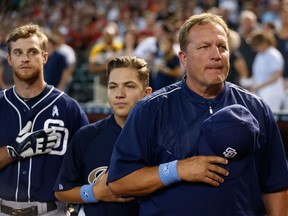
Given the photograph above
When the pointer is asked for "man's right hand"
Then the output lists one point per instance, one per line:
(204, 169)
(28, 143)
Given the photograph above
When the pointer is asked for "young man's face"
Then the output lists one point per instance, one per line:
(27, 58)
(124, 90)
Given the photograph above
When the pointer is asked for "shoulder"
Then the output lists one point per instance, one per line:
(234, 89)
(7, 93)
(64, 96)
(274, 57)
(163, 98)
(98, 125)
(92, 130)
(273, 51)
(65, 100)
(165, 92)
(253, 102)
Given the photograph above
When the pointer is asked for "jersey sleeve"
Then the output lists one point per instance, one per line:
(273, 175)
(132, 150)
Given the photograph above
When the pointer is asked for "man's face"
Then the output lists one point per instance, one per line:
(206, 59)
(27, 59)
(124, 90)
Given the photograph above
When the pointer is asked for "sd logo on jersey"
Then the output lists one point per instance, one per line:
(62, 134)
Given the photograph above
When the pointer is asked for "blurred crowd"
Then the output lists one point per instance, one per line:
(90, 32)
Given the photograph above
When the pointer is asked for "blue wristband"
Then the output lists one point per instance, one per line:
(168, 173)
(86, 193)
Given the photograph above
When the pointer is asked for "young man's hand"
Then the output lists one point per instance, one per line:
(28, 143)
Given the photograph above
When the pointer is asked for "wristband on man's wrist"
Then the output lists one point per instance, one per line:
(12, 153)
(168, 173)
(87, 195)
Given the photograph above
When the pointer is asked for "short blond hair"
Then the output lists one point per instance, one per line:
(199, 19)
(27, 31)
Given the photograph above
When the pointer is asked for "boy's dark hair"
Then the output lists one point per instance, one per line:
(132, 62)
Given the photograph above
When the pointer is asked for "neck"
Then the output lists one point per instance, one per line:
(28, 91)
(207, 92)
(120, 120)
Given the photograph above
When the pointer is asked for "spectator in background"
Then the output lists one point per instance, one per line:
(230, 12)
(149, 47)
(270, 12)
(238, 67)
(247, 24)
(56, 70)
(146, 29)
(70, 56)
(6, 74)
(164, 11)
(267, 71)
(130, 42)
(103, 51)
(281, 36)
(96, 22)
(268, 27)
(85, 20)
(167, 69)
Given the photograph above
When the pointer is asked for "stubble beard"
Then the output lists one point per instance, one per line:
(27, 76)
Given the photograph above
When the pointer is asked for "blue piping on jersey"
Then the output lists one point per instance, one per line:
(164, 93)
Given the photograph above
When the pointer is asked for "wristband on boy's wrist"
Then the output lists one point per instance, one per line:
(168, 173)
(87, 195)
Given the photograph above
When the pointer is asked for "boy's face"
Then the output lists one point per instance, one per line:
(124, 90)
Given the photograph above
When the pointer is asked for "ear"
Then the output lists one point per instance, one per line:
(45, 57)
(148, 91)
(8, 57)
(183, 58)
